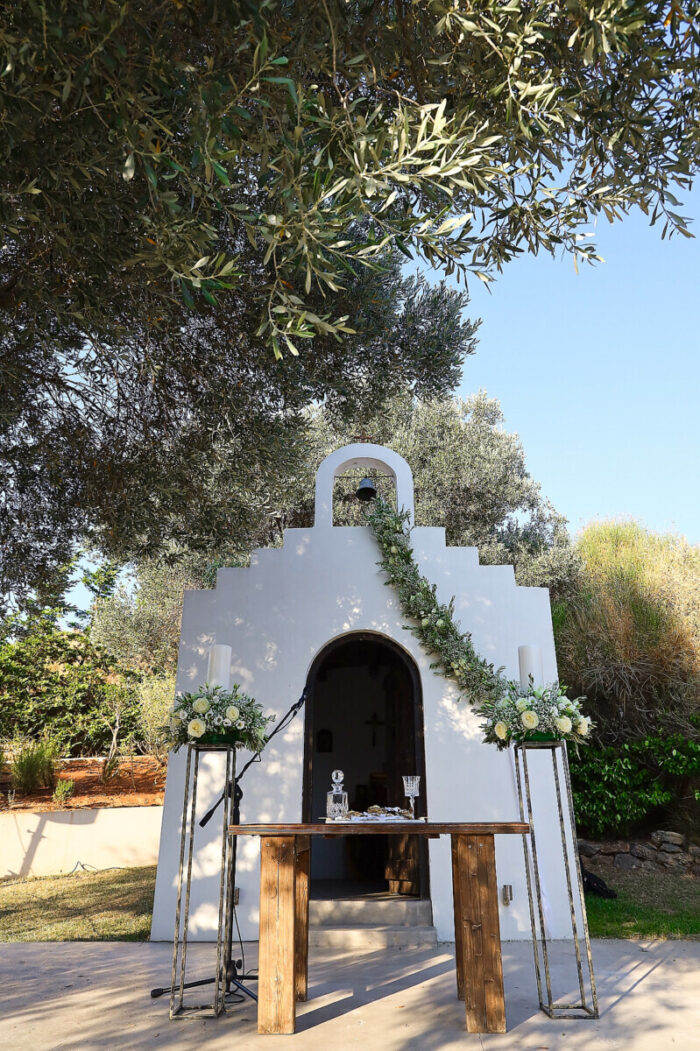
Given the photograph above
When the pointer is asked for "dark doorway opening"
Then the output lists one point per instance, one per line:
(364, 715)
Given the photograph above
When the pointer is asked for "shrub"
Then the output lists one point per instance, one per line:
(618, 788)
(109, 768)
(155, 697)
(34, 765)
(63, 791)
(59, 681)
(628, 637)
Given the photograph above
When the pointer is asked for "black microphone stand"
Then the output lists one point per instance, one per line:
(233, 977)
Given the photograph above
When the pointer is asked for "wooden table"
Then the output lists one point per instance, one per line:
(284, 914)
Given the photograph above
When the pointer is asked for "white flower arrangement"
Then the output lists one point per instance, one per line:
(212, 715)
(534, 714)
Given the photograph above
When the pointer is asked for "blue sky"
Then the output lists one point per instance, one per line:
(599, 373)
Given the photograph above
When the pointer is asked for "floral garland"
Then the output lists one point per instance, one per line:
(212, 714)
(432, 621)
(510, 713)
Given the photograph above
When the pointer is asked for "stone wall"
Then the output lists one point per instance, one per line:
(662, 852)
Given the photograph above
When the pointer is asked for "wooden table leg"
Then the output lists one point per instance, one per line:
(276, 986)
(459, 940)
(301, 944)
(476, 904)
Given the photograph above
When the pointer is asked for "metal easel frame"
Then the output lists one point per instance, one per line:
(189, 809)
(539, 944)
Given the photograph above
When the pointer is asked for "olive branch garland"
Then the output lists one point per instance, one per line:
(433, 622)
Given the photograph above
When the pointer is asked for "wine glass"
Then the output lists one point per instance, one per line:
(411, 788)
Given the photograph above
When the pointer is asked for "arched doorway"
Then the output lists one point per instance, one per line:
(364, 715)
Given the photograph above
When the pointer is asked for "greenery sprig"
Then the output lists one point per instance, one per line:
(432, 622)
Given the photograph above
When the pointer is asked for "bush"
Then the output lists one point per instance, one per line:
(155, 696)
(34, 766)
(63, 791)
(628, 636)
(619, 788)
(57, 680)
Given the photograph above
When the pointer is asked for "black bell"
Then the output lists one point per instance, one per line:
(366, 490)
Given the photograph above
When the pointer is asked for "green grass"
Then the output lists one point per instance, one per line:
(116, 904)
(113, 905)
(648, 905)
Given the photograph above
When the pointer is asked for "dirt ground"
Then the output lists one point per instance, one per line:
(137, 782)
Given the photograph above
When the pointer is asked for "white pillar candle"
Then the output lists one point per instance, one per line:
(219, 672)
(530, 661)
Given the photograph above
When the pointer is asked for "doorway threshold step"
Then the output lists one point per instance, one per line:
(372, 936)
(392, 911)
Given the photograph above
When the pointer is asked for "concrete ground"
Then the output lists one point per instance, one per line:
(95, 995)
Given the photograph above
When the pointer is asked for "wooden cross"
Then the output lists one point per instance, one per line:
(374, 722)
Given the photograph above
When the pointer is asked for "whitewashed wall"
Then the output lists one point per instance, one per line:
(59, 841)
(277, 616)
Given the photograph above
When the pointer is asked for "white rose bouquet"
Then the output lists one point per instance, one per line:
(212, 715)
(534, 714)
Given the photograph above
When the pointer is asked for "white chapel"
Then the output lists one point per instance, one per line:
(316, 614)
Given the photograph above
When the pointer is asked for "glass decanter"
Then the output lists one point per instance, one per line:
(337, 798)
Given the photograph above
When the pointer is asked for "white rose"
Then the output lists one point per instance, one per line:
(563, 723)
(501, 731)
(583, 725)
(201, 705)
(529, 720)
(196, 728)
(232, 713)
(522, 703)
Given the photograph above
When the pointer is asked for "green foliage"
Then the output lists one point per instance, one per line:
(140, 621)
(63, 791)
(155, 697)
(189, 444)
(57, 680)
(618, 788)
(629, 634)
(170, 138)
(432, 622)
(110, 768)
(33, 765)
(190, 190)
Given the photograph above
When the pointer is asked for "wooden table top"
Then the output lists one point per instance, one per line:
(384, 828)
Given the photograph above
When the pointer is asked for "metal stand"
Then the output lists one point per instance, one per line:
(532, 871)
(222, 979)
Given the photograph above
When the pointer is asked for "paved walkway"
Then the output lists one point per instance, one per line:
(95, 995)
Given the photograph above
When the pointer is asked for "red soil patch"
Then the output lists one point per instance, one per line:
(140, 782)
